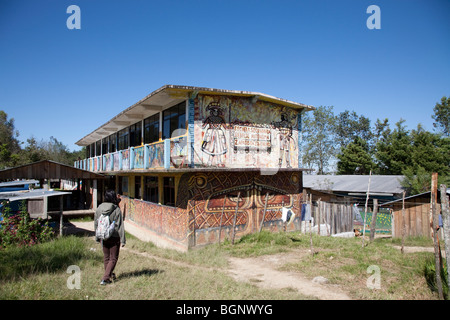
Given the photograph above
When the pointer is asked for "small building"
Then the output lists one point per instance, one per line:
(82, 200)
(417, 215)
(194, 164)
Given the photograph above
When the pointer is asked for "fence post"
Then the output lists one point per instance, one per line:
(365, 214)
(446, 226)
(235, 216)
(374, 219)
(434, 222)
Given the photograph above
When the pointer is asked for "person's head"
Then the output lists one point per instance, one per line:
(110, 196)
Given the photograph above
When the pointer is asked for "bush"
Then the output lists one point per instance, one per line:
(429, 271)
(19, 229)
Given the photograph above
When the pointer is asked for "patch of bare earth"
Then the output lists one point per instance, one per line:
(262, 271)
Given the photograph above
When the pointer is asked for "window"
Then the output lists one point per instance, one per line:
(137, 187)
(151, 192)
(169, 191)
(112, 142)
(98, 148)
(174, 118)
(105, 146)
(135, 134)
(123, 139)
(151, 129)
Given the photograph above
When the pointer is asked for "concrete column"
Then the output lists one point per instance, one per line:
(94, 194)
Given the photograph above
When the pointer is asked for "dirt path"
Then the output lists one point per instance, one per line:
(262, 272)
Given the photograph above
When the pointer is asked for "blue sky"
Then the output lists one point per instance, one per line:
(66, 83)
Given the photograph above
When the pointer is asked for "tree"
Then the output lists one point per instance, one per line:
(393, 150)
(348, 126)
(355, 158)
(442, 116)
(318, 138)
(429, 153)
(9, 145)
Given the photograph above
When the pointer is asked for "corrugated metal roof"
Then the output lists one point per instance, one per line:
(22, 195)
(386, 184)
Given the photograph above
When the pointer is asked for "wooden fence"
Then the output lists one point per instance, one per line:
(331, 218)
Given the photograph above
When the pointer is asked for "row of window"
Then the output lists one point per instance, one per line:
(146, 131)
(151, 189)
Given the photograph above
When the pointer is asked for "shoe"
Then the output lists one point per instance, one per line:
(113, 276)
(105, 282)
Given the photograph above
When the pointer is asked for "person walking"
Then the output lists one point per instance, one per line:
(111, 246)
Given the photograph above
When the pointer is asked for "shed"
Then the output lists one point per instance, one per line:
(417, 214)
(45, 170)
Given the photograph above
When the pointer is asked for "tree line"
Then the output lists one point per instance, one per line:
(15, 153)
(347, 143)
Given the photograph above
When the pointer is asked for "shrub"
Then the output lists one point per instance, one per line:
(19, 229)
(429, 271)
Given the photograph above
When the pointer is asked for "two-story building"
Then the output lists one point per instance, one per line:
(194, 164)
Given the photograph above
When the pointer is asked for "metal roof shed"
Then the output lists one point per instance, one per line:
(46, 169)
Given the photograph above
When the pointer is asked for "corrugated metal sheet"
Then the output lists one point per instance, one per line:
(354, 183)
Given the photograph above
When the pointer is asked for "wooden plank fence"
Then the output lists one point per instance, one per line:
(337, 217)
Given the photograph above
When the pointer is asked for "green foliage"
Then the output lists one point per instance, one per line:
(20, 230)
(429, 272)
(318, 139)
(442, 115)
(393, 150)
(355, 158)
(11, 153)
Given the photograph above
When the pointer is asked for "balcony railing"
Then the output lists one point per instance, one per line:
(166, 154)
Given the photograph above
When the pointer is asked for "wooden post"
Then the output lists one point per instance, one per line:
(445, 212)
(365, 214)
(221, 216)
(264, 213)
(374, 219)
(318, 216)
(61, 207)
(403, 222)
(235, 216)
(310, 229)
(434, 222)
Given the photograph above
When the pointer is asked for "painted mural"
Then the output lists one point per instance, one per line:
(238, 132)
(213, 198)
(156, 155)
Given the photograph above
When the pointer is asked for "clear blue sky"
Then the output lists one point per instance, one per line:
(66, 83)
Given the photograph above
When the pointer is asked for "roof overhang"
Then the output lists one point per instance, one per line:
(167, 96)
(47, 169)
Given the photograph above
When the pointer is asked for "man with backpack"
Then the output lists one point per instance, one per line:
(110, 231)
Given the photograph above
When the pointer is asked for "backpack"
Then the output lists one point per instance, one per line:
(104, 228)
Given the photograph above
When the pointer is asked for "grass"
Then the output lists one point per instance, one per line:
(39, 272)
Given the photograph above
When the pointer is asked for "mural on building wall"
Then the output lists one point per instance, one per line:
(207, 195)
(214, 142)
(238, 132)
(138, 158)
(156, 155)
(178, 151)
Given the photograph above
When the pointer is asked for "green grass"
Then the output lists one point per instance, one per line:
(39, 272)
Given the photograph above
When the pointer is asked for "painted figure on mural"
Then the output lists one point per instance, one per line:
(285, 138)
(214, 141)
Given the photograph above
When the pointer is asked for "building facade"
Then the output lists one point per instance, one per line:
(194, 164)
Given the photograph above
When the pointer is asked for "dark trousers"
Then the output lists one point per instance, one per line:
(111, 249)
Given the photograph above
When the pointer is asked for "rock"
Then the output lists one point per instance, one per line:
(320, 280)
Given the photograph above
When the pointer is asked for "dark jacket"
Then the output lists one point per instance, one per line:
(115, 214)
